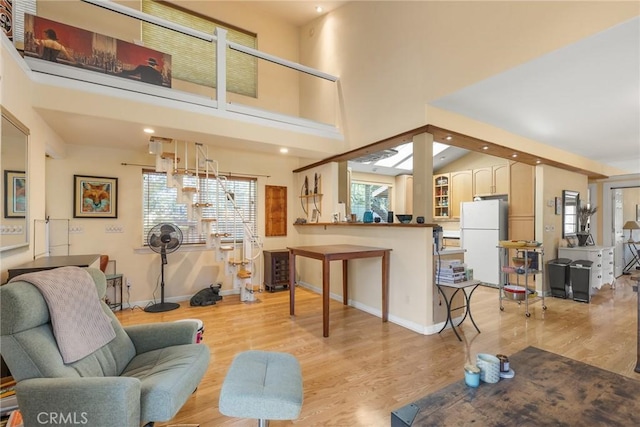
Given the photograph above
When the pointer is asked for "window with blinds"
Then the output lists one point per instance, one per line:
(194, 60)
(21, 7)
(160, 204)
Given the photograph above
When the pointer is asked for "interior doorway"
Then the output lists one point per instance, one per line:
(624, 202)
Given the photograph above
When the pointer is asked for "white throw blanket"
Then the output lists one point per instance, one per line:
(79, 324)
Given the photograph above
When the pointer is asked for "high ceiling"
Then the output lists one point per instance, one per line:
(297, 12)
(583, 98)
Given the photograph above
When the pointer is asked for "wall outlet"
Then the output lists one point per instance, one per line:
(76, 229)
(128, 283)
(114, 229)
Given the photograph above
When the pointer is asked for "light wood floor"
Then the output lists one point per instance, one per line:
(365, 369)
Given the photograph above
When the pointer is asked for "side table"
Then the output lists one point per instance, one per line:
(473, 284)
(114, 281)
(636, 277)
(635, 257)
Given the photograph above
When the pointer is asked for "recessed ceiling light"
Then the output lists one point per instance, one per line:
(514, 155)
(485, 147)
(319, 9)
(148, 130)
(449, 138)
(538, 161)
(443, 157)
(284, 150)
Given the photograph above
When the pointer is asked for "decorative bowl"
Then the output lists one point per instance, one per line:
(404, 219)
(519, 262)
(514, 292)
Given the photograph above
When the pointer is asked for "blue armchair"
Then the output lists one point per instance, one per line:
(144, 375)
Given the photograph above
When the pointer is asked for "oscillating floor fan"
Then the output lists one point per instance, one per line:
(163, 239)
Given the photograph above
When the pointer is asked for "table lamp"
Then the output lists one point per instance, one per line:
(631, 225)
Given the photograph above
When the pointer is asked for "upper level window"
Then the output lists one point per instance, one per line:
(161, 204)
(194, 60)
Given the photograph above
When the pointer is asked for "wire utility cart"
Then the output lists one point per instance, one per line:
(518, 275)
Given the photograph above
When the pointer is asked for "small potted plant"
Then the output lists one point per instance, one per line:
(584, 213)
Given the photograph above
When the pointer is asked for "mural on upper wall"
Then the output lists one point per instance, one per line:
(64, 44)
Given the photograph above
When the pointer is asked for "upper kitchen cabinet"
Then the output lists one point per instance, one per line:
(522, 202)
(461, 190)
(491, 180)
(441, 191)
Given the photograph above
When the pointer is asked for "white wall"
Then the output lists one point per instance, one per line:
(393, 57)
(187, 271)
(14, 100)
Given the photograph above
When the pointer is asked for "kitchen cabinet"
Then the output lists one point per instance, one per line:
(491, 180)
(441, 195)
(461, 190)
(408, 194)
(450, 242)
(522, 201)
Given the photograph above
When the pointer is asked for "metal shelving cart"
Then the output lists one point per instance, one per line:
(521, 276)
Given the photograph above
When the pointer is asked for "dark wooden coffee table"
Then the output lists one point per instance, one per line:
(547, 390)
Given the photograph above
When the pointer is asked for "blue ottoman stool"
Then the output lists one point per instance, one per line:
(263, 385)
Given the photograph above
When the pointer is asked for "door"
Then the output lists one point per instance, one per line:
(461, 191)
(616, 229)
(484, 214)
(482, 254)
(482, 181)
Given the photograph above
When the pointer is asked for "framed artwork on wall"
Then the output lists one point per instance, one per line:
(637, 212)
(558, 205)
(15, 194)
(95, 197)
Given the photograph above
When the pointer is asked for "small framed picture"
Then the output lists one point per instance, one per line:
(15, 194)
(315, 216)
(95, 197)
(558, 205)
(637, 212)
(572, 241)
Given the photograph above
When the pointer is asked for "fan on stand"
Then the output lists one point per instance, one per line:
(163, 239)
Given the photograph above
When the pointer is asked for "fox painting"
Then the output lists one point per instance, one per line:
(96, 197)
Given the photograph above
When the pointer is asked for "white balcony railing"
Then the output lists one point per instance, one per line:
(219, 101)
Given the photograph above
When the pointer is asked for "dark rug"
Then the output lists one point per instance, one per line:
(547, 390)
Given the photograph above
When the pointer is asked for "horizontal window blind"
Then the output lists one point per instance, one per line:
(195, 60)
(160, 205)
(20, 7)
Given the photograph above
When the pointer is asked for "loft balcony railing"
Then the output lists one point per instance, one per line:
(321, 121)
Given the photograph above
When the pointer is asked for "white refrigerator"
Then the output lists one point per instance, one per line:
(482, 225)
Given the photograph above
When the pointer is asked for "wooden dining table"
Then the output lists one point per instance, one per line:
(328, 253)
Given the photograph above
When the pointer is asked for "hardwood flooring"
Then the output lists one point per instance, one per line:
(365, 369)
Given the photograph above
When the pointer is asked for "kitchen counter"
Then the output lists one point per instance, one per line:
(365, 224)
(448, 251)
(451, 234)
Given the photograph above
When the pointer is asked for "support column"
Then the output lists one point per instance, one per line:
(423, 177)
